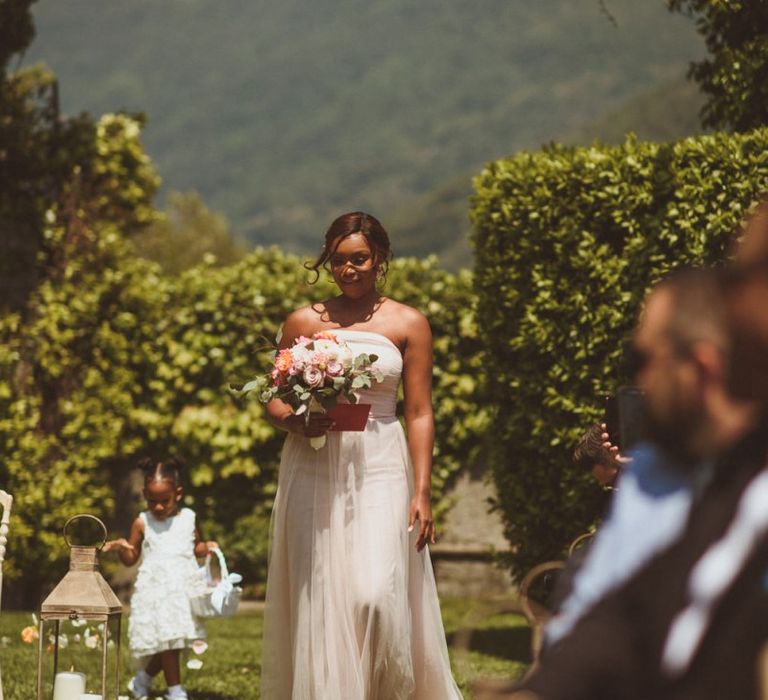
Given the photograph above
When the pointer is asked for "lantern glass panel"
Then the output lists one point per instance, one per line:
(81, 649)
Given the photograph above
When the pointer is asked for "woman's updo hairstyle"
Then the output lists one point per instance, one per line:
(347, 225)
(168, 470)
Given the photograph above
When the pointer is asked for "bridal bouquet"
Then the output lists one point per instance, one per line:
(313, 373)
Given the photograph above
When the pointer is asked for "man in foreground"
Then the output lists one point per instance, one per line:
(680, 627)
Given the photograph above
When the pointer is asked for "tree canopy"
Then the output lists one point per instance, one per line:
(735, 75)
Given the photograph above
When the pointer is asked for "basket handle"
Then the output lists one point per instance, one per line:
(222, 563)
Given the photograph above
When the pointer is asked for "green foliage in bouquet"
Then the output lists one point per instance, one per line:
(567, 242)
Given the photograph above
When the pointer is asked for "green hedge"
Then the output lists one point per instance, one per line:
(567, 242)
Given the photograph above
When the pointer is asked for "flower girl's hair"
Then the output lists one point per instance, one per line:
(168, 470)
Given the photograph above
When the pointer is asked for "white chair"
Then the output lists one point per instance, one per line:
(5, 502)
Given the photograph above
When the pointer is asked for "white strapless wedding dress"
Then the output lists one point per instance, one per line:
(352, 610)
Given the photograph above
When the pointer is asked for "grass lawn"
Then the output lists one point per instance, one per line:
(483, 641)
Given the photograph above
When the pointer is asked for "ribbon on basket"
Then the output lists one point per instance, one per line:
(216, 597)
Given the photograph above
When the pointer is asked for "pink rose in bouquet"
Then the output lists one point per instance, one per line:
(313, 377)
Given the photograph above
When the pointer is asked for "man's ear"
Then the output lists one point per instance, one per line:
(709, 361)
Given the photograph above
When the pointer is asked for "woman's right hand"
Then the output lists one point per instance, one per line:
(318, 424)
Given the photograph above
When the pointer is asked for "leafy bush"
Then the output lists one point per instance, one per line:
(72, 355)
(567, 243)
(119, 361)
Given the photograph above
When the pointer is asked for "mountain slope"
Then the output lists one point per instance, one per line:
(285, 114)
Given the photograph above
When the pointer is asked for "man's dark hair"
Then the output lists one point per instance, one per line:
(746, 298)
(698, 312)
(590, 450)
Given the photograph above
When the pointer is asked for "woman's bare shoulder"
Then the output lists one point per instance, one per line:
(408, 317)
(304, 321)
(305, 314)
(407, 325)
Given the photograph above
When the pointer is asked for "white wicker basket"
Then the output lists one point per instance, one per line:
(216, 597)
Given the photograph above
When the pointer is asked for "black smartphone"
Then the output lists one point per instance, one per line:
(631, 416)
(624, 417)
(612, 418)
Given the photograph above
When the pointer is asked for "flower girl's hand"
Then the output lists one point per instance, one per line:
(211, 545)
(421, 510)
(120, 544)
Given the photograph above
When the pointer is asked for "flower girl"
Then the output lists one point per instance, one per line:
(165, 542)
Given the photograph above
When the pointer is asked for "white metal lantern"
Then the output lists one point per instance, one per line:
(82, 595)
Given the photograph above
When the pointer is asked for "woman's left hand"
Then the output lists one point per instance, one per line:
(421, 510)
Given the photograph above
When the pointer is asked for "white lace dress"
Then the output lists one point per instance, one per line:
(161, 617)
(352, 610)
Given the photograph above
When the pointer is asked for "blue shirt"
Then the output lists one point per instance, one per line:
(648, 512)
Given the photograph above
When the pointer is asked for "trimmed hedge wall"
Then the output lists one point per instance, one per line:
(567, 241)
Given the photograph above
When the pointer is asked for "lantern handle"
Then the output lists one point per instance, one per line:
(85, 515)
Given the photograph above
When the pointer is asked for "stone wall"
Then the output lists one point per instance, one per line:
(469, 536)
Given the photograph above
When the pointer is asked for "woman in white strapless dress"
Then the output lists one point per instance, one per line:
(352, 610)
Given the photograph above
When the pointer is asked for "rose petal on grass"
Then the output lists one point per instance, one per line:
(199, 646)
(29, 634)
(194, 664)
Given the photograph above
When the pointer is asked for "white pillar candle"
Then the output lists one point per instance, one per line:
(68, 685)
